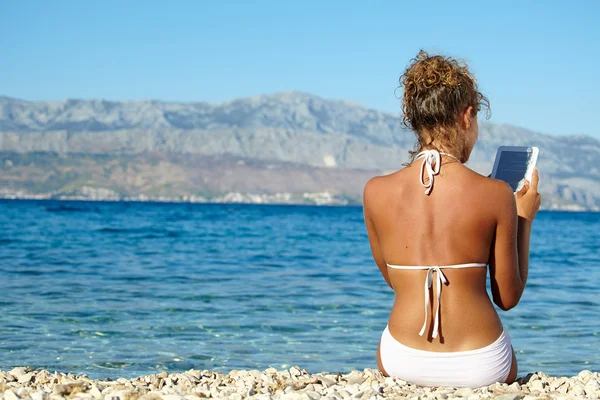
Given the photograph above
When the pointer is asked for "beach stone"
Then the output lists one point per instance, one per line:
(202, 393)
(40, 395)
(389, 381)
(542, 375)
(364, 394)
(95, 391)
(555, 384)
(592, 385)
(19, 371)
(85, 396)
(178, 397)
(531, 397)
(251, 391)
(291, 396)
(152, 395)
(593, 382)
(564, 388)
(262, 397)
(510, 396)
(285, 374)
(309, 387)
(116, 395)
(463, 392)
(326, 382)
(356, 380)
(195, 374)
(513, 387)
(183, 378)
(10, 395)
(68, 389)
(270, 371)
(537, 385)
(528, 378)
(26, 378)
(312, 395)
(577, 390)
(255, 373)
(352, 389)
(585, 375)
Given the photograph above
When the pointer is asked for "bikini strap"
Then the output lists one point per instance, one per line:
(431, 164)
(441, 279)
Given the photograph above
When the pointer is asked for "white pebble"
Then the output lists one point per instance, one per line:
(577, 390)
(537, 385)
(10, 395)
(509, 396)
(463, 392)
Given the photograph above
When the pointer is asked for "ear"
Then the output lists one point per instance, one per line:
(466, 117)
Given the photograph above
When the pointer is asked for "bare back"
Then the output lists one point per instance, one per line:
(454, 224)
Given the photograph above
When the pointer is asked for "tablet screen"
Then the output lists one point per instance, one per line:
(512, 167)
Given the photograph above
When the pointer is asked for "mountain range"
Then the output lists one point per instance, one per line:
(290, 142)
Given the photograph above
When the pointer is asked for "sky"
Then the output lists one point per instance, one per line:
(537, 61)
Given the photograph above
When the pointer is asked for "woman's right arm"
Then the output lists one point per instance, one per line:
(528, 203)
(509, 261)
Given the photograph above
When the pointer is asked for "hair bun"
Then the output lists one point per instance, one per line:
(429, 72)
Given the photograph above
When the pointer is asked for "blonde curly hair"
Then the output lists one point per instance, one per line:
(436, 90)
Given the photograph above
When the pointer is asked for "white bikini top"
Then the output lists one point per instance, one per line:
(431, 164)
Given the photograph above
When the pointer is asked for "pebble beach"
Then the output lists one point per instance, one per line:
(294, 383)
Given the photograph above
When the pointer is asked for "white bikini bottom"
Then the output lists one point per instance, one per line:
(472, 368)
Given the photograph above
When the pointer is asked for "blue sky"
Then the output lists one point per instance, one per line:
(537, 61)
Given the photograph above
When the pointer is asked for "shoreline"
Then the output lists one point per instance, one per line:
(294, 383)
(67, 199)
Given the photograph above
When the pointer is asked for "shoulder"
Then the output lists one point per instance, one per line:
(373, 185)
(372, 190)
(492, 186)
(498, 194)
(378, 189)
(500, 189)
(378, 186)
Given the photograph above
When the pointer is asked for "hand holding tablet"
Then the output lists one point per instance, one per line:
(514, 165)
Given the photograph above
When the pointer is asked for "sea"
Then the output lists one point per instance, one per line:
(124, 289)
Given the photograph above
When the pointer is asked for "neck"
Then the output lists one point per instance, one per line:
(435, 145)
(444, 152)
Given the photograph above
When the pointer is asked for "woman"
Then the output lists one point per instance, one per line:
(437, 222)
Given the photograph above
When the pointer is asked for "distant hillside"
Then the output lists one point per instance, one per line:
(340, 140)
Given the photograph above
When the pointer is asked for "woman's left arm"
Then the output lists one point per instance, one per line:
(372, 232)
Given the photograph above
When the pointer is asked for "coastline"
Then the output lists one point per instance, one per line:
(295, 383)
(325, 199)
(106, 195)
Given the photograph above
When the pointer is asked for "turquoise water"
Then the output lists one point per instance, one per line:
(125, 289)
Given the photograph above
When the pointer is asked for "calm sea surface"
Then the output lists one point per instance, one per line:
(125, 289)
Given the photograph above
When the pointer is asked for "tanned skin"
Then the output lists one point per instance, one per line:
(467, 218)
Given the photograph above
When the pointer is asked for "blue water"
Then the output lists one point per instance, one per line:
(125, 289)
